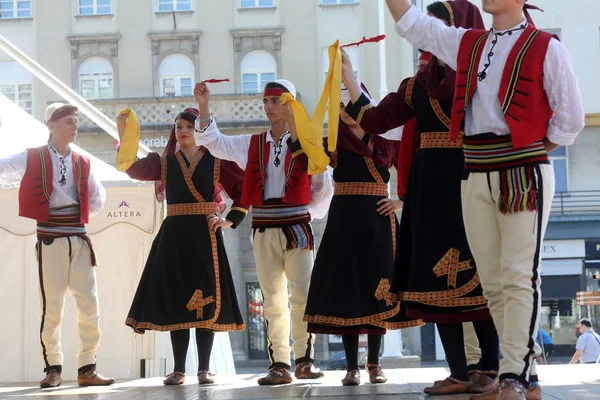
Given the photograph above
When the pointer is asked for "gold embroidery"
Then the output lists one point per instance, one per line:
(383, 291)
(163, 171)
(409, 91)
(400, 325)
(450, 12)
(393, 222)
(369, 320)
(459, 302)
(216, 171)
(198, 302)
(362, 112)
(449, 265)
(138, 326)
(371, 165)
(205, 208)
(360, 188)
(439, 140)
(239, 209)
(423, 297)
(188, 172)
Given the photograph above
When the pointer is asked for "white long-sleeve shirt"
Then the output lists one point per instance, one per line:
(484, 113)
(235, 148)
(12, 169)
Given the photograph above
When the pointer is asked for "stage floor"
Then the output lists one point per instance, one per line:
(562, 382)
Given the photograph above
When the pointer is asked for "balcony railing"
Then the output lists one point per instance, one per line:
(576, 203)
(229, 110)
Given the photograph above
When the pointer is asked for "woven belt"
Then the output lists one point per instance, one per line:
(489, 152)
(191, 209)
(360, 188)
(439, 140)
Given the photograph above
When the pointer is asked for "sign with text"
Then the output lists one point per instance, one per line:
(563, 249)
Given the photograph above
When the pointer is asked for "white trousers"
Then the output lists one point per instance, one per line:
(276, 268)
(65, 263)
(506, 248)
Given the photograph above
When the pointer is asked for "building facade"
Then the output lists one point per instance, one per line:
(148, 54)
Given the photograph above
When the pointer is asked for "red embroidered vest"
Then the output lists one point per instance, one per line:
(37, 185)
(521, 95)
(297, 183)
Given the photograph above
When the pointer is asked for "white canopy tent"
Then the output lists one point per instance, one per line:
(122, 235)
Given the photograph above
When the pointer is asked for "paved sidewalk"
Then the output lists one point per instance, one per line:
(559, 382)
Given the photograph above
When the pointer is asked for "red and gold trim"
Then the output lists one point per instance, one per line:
(163, 171)
(204, 208)
(44, 174)
(188, 172)
(516, 71)
(361, 114)
(360, 189)
(409, 91)
(239, 209)
(439, 140)
(474, 61)
(139, 327)
(375, 319)
(450, 12)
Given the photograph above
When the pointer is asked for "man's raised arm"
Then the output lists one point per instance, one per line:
(398, 8)
(425, 32)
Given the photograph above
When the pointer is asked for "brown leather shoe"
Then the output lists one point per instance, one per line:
(52, 379)
(205, 378)
(308, 371)
(93, 378)
(485, 384)
(276, 376)
(352, 378)
(534, 392)
(376, 374)
(449, 386)
(174, 378)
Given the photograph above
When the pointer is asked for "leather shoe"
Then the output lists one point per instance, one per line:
(376, 374)
(52, 379)
(174, 378)
(308, 371)
(205, 377)
(485, 383)
(448, 386)
(93, 378)
(352, 378)
(276, 376)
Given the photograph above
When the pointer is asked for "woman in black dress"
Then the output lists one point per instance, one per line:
(357, 252)
(435, 272)
(187, 281)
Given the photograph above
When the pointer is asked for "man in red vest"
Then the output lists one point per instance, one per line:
(516, 99)
(284, 200)
(58, 190)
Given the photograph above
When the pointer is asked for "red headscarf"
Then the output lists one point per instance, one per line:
(384, 149)
(189, 114)
(526, 9)
(463, 14)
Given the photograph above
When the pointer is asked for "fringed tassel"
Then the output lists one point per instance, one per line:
(374, 39)
(299, 236)
(518, 190)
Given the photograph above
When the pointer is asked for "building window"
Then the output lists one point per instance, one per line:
(174, 5)
(94, 7)
(558, 159)
(330, 2)
(15, 9)
(19, 93)
(258, 68)
(96, 78)
(176, 74)
(256, 3)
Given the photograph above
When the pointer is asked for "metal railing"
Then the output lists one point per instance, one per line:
(584, 202)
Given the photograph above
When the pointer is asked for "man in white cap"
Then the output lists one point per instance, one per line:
(284, 200)
(58, 190)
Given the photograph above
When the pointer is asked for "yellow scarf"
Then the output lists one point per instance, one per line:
(130, 144)
(310, 131)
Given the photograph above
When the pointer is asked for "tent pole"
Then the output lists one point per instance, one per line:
(64, 91)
